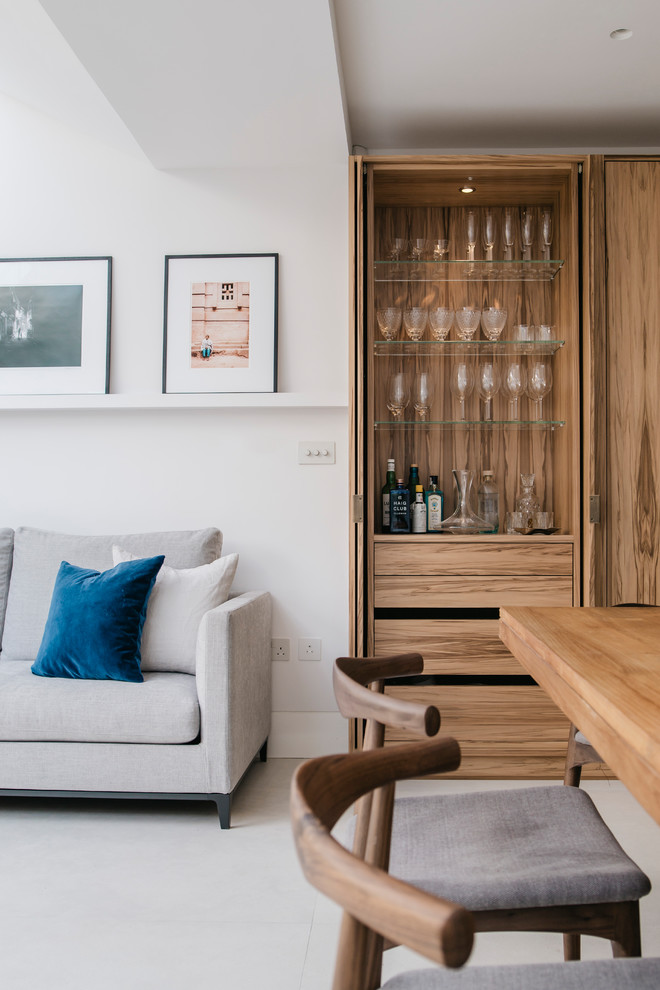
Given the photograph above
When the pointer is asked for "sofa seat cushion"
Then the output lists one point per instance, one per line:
(164, 708)
(38, 553)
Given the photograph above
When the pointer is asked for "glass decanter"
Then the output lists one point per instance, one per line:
(463, 519)
(527, 502)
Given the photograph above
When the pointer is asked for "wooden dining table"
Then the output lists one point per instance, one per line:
(601, 666)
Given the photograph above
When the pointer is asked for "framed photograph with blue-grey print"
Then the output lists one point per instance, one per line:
(55, 325)
(220, 331)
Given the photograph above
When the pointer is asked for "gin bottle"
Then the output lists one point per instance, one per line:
(419, 511)
(434, 505)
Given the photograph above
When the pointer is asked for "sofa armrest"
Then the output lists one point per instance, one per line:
(234, 685)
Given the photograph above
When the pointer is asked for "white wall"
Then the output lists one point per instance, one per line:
(131, 470)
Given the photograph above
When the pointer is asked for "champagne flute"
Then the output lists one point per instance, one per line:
(509, 233)
(546, 232)
(488, 233)
(471, 224)
(527, 231)
(513, 384)
(539, 383)
(488, 384)
(398, 393)
(423, 392)
(461, 383)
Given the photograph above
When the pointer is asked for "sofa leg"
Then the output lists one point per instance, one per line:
(263, 752)
(223, 804)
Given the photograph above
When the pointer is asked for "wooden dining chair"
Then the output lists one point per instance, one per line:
(377, 904)
(531, 859)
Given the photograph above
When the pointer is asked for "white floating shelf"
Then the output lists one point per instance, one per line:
(206, 400)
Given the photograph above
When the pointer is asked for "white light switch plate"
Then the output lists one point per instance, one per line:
(316, 452)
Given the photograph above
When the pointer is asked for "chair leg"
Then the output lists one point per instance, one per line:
(223, 804)
(572, 768)
(571, 946)
(629, 937)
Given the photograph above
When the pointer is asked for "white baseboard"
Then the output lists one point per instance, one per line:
(306, 734)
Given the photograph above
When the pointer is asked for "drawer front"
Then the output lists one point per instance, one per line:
(416, 557)
(503, 731)
(448, 646)
(471, 591)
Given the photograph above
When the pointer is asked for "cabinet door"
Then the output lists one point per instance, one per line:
(632, 496)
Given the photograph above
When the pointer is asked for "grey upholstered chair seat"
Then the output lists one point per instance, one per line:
(163, 709)
(606, 974)
(518, 848)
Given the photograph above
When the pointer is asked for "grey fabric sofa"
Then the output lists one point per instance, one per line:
(177, 735)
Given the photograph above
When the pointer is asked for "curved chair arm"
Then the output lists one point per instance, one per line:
(321, 790)
(351, 676)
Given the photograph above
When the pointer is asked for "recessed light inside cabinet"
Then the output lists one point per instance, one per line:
(621, 34)
(467, 187)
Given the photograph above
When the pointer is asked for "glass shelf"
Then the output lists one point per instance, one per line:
(466, 271)
(471, 424)
(440, 348)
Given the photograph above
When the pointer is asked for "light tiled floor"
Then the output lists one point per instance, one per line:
(153, 895)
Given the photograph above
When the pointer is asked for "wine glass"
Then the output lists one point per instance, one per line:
(440, 248)
(471, 225)
(546, 232)
(527, 231)
(389, 322)
(397, 248)
(414, 320)
(539, 383)
(488, 383)
(493, 321)
(398, 393)
(488, 233)
(513, 384)
(461, 383)
(423, 392)
(509, 233)
(441, 320)
(467, 322)
(417, 252)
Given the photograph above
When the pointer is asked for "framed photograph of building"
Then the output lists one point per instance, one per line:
(220, 323)
(55, 325)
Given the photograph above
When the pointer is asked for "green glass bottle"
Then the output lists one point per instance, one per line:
(390, 483)
(413, 481)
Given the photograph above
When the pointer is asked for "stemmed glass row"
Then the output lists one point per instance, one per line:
(442, 319)
(514, 380)
(523, 222)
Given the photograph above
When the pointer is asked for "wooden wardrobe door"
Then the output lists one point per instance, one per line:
(632, 219)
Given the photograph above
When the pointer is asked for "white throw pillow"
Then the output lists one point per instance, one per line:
(179, 599)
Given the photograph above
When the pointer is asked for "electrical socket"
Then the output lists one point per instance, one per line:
(309, 649)
(280, 649)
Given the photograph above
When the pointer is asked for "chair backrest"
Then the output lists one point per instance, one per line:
(358, 686)
(355, 699)
(321, 790)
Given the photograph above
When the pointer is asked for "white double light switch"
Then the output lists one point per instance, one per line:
(316, 452)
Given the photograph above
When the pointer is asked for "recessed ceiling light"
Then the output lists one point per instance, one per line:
(621, 34)
(467, 187)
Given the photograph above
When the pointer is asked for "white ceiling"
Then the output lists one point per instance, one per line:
(209, 83)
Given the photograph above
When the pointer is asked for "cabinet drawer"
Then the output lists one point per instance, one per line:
(503, 730)
(470, 591)
(473, 557)
(449, 646)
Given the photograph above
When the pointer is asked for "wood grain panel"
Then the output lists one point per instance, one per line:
(410, 591)
(510, 731)
(632, 197)
(467, 557)
(449, 646)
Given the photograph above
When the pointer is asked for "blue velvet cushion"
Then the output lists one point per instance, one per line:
(95, 622)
